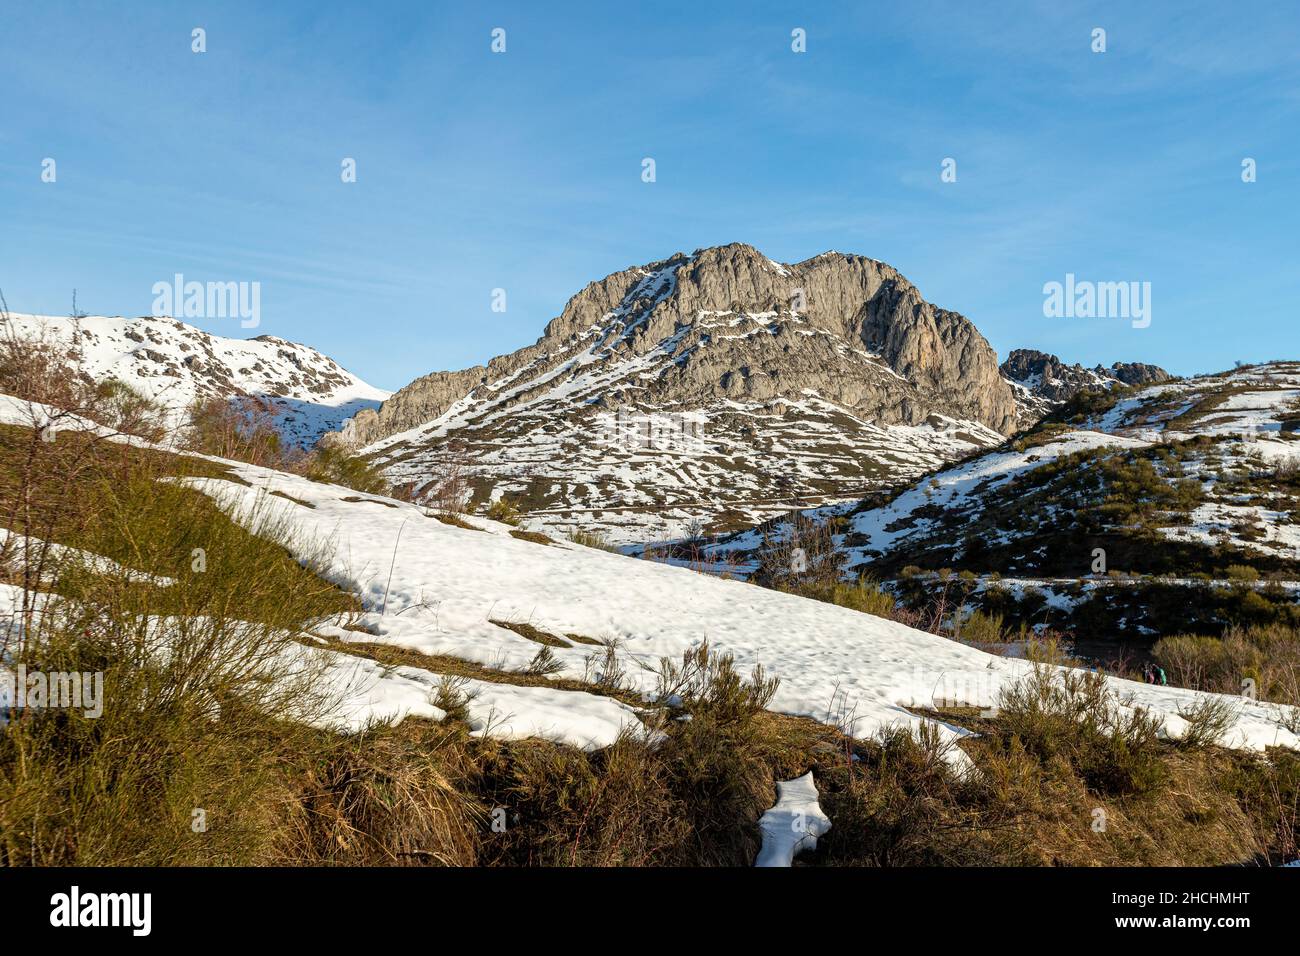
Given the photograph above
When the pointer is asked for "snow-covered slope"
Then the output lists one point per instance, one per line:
(175, 363)
(442, 587)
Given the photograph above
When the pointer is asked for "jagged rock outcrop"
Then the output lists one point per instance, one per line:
(1137, 373)
(1042, 381)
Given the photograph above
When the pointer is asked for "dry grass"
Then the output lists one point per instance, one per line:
(1041, 795)
(384, 798)
(536, 537)
(454, 521)
(591, 539)
(526, 630)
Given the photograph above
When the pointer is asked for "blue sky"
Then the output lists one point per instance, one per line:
(522, 170)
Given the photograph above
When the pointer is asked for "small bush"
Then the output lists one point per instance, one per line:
(544, 663)
(979, 628)
(800, 556)
(331, 463)
(1208, 721)
(505, 511)
(241, 429)
(1073, 715)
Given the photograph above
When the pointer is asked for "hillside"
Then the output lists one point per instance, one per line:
(175, 364)
(1106, 515)
(449, 669)
(482, 592)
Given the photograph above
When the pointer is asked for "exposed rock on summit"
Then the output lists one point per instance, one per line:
(832, 352)
(740, 326)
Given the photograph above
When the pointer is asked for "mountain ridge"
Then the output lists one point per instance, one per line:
(176, 364)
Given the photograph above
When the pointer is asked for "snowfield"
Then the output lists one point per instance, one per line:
(437, 588)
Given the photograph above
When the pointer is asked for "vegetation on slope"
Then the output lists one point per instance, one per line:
(197, 758)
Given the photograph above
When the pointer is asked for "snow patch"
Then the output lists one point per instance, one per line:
(793, 824)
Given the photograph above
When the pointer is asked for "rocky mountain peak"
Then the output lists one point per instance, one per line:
(824, 377)
(739, 325)
(1137, 373)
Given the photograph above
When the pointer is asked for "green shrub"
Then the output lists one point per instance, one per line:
(1073, 715)
(332, 463)
(980, 628)
(505, 511)
(863, 595)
